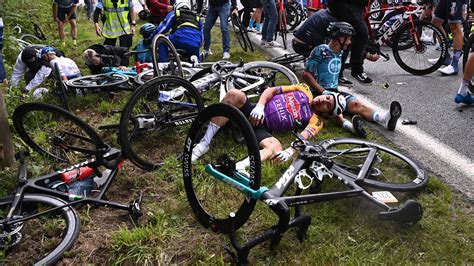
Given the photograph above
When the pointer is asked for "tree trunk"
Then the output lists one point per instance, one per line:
(6, 145)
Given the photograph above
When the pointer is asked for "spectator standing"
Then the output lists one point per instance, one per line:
(158, 10)
(117, 24)
(269, 23)
(221, 9)
(65, 11)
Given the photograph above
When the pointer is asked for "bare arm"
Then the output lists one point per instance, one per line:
(311, 81)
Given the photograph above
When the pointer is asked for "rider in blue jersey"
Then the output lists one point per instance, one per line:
(321, 74)
(186, 30)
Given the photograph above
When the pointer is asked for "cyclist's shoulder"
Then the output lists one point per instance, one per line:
(300, 87)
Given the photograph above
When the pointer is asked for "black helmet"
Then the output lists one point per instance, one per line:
(336, 29)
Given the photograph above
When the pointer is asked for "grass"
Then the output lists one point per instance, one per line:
(341, 232)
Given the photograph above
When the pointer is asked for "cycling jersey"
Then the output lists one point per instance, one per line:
(291, 104)
(189, 36)
(143, 45)
(67, 67)
(325, 66)
(314, 29)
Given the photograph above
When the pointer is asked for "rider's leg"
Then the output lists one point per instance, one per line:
(464, 95)
(61, 32)
(457, 44)
(270, 147)
(235, 98)
(73, 23)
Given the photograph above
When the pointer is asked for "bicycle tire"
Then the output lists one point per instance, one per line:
(374, 5)
(255, 68)
(147, 117)
(288, 59)
(162, 39)
(215, 214)
(403, 173)
(38, 31)
(32, 39)
(143, 77)
(292, 16)
(246, 37)
(68, 237)
(71, 139)
(423, 25)
(239, 32)
(98, 81)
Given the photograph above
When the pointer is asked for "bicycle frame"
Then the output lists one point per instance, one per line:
(39, 184)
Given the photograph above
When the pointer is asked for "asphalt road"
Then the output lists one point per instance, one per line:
(443, 139)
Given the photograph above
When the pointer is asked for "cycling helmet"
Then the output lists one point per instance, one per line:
(339, 103)
(147, 29)
(181, 4)
(337, 29)
(46, 50)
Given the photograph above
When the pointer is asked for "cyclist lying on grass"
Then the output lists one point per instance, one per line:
(322, 72)
(278, 109)
(98, 56)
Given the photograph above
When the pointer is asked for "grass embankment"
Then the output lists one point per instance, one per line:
(344, 231)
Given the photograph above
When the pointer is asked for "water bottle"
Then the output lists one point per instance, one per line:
(76, 174)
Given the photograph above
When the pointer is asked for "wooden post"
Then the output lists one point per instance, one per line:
(6, 144)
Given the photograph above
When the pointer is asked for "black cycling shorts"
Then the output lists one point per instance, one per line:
(63, 12)
(261, 131)
(450, 10)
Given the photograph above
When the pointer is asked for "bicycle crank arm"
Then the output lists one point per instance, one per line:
(409, 212)
(385, 56)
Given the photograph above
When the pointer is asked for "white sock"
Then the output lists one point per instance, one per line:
(464, 88)
(380, 117)
(347, 125)
(210, 132)
(243, 164)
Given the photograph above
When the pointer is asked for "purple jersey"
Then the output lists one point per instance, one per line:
(290, 104)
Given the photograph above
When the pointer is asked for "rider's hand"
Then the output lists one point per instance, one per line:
(169, 8)
(98, 30)
(132, 29)
(257, 115)
(283, 156)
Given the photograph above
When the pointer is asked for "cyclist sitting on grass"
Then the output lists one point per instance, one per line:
(321, 74)
(144, 44)
(278, 110)
(98, 56)
(186, 31)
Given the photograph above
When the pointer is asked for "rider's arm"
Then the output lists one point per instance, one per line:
(166, 25)
(18, 71)
(267, 95)
(315, 125)
(42, 74)
(311, 81)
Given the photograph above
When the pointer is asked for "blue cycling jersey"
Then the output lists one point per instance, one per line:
(325, 65)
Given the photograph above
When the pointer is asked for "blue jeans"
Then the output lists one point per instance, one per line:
(222, 12)
(271, 16)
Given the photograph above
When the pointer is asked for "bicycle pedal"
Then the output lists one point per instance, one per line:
(136, 209)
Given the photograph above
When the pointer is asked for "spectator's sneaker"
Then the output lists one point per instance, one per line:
(468, 99)
(259, 30)
(263, 42)
(273, 44)
(226, 56)
(74, 42)
(199, 150)
(358, 124)
(447, 61)
(345, 82)
(207, 53)
(362, 78)
(395, 113)
(250, 29)
(449, 70)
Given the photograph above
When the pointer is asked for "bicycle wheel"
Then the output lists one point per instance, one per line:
(143, 77)
(30, 38)
(212, 200)
(99, 81)
(288, 59)
(158, 113)
(239, 32)
(376, 5)
(56, 133)
(274, 75)
(170, 66)
(292, 16)
(390, 170)
(41, 240)
(412, 54)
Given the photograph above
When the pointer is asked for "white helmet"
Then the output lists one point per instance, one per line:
(181, 4)
(339, 103)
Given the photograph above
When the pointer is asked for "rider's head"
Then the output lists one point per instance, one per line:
(342, 32)
(331, 104)
(92, 58)
(46, 54)
(29, 55)
(181, 4)
(147, 29)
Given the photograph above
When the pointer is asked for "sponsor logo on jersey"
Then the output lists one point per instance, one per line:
(293, 106)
